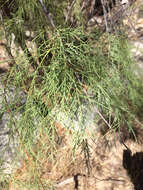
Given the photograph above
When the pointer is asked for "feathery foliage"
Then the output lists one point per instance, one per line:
(70, 67)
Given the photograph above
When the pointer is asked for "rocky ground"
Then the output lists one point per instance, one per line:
(106, 163)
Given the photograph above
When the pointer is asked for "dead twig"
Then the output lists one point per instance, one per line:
(65, 182)
(70, 10)
(98, 112)
(105, 121)
(105, 16)
(92, 7)
(47, 13)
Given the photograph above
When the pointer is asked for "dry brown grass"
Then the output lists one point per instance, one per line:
(66, 171)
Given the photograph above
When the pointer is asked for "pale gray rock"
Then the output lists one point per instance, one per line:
(9, 154)
(85, 117)
(12, 102)
(137, 54)
(9, 158)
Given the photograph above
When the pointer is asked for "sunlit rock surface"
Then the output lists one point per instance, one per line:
(9, 154)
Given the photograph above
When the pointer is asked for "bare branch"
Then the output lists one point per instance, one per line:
(98, 112)
(47, 13)
(92, 7)
(70, 10)
(105, 16)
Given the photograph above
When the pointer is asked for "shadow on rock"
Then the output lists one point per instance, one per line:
(134, 166)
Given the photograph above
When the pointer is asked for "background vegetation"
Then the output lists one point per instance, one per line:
(69, 64)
